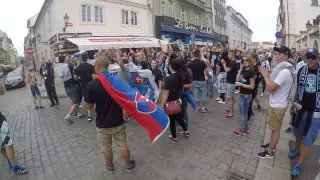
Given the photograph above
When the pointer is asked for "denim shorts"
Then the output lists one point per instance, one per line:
(312, 134)
(35, 90)
(200, 89)
(73, 94)
(230, 90)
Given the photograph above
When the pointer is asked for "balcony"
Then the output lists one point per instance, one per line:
(198, 3)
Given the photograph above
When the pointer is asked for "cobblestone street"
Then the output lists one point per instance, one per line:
(52, 149)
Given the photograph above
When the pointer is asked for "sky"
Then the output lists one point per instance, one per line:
(261, 15)
(14, 15)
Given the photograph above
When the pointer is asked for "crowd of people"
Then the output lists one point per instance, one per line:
(178, 73)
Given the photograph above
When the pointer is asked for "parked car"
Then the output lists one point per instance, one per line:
(14, 79)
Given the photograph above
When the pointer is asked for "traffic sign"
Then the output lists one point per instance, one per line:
(30, 51)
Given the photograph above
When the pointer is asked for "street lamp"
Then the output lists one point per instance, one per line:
(66, 21)
(308, 26)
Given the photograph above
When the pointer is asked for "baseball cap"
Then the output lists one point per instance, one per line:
(313, 51)
(283, 49)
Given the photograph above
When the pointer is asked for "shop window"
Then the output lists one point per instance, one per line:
(125, 17)
(134, 18)
(98, 14)
(86, 13)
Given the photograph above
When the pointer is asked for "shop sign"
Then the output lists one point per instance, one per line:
(53, 40)
(185, 25)
(62, 37)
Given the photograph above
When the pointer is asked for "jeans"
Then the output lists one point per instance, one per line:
(185, 110)
(200, 89)
(244, 102)
(210, 86)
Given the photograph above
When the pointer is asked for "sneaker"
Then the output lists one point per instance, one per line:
(218, 99)
(294, 153)
(204, 110)
(172, 139)
(221, 102)
(288, 130)
(246, 131)
(69, 119)
(41, 107)
(132, 165)
(110, 168)
(262, 95)
(10, 165)
(57, 103)
(237, 92)
(296, 170)
(239, 133)
(90, 118)
(80, 106)
(265, 155)
(229, 116)
(36, 107)
(52, 104)
(19, 170)
(185, 133)
(264, 146)
(259, 108)
(79, 115)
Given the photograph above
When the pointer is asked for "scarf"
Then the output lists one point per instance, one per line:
(286, 65)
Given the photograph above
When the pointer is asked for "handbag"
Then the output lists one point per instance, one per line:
(173, 107)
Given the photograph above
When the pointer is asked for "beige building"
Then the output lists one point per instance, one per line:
(8, 53)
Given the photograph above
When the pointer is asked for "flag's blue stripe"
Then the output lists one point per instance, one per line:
(160, 117)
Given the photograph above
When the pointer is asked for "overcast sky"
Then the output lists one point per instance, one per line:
(261, 15)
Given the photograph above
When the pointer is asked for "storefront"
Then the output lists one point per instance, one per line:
(173, 28)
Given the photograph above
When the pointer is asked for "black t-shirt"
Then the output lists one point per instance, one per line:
(157, 75)
(109, 113)
(245, 79)
(232, 75)
(172, 83)
(257, 75)
(84, 71)
(197, 67)
(309, 95)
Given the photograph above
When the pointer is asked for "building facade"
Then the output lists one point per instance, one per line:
(220, 20)
(188, 20)
(292, 18)
(86, 18)
(8, 53)
(239, 33)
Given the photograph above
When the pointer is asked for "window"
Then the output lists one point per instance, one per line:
(125, 16)
(184, 14)
(315, 2)
(134, 18)
(163, 8)
(43, 30)
(86, 13)
(170, 8)
(197, 19)
(49, 20)
(215, 11)
(98, 14)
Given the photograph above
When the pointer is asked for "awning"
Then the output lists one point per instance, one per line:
(98, 43)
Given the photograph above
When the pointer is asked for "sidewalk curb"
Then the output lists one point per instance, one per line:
(279, 167)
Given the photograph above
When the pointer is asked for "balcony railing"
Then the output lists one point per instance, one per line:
(199, 3)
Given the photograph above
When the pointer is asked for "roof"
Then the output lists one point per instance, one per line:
(32, 21)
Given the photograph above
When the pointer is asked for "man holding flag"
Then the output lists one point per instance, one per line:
(109, 121)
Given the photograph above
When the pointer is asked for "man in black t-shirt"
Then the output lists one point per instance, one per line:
(200, 89)
(85, 71)
(232, 71)
(109, 121)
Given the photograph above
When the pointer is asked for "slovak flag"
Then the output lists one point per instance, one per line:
(151, 117)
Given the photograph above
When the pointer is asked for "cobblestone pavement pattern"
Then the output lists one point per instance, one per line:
(52, 149)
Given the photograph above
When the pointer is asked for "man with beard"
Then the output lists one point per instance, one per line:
(47, 73)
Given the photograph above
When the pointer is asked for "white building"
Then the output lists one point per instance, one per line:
(87, 18)
(240, 35)
(8, 53)
(293, 16)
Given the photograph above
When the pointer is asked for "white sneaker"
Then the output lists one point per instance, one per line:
(218, 99)
(261, 94)
(221, 102)
(81, 106)
(237, 92)
(79, 115)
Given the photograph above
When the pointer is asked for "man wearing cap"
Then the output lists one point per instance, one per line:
(307, 108)
(279, 84)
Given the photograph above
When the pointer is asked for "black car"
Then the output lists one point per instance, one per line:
(14, 79)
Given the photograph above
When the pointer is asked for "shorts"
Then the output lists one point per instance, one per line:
(275, 118)
(5, 138)
(105, 137)
(312, 134)
(231, 88)
(73, 94)
(35, 90)
(200, 90)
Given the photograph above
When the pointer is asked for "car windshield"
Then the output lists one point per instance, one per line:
(14, 74)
